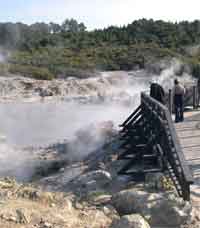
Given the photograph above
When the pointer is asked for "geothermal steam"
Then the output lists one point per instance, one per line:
(1, 58)
(3, 55)
(36, 124)
(15, 163)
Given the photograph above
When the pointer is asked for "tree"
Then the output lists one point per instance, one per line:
(54, 28)
(72, 26)
(40, 27)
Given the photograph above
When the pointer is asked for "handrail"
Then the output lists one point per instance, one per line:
(150, 129)
(169, 142)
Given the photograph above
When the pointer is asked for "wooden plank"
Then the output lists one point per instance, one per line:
(178, 148)
(191, 153)
(189, 149)
(188, 134)
(190, 137)
(194, 162)
(195, 117)
(192, 124)
(191, 141)
(187, 129)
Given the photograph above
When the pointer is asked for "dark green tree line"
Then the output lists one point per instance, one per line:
(62, 49)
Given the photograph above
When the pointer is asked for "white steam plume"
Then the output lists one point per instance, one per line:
(167, 76)
(15, 163)
(44, 123)
(1, 58)
(3, 55)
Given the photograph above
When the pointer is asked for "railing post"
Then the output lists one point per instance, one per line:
(194, 97)
(186, 192)
(198, 96)
(170, 101)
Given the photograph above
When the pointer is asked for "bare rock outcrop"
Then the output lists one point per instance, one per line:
(130, 221)
(91, 181)
(157, 208)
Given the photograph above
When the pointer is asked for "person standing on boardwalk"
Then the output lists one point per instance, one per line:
(157, 92)
(178, 95)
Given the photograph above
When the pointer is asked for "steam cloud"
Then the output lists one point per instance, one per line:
(3, 55)
(1, 58)
(15, 163)
(42, 124)
(175, 70)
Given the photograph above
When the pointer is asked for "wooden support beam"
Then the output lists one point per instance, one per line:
(152, 122)
(130, 117)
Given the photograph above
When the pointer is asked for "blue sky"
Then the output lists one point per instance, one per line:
(98, 13)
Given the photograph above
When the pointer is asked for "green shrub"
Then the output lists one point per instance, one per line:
(66, 72)
(63, 62)
(3, 69)
(40, 73)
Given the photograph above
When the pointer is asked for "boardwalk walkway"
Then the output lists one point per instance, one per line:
(189, 135)
(151, 142)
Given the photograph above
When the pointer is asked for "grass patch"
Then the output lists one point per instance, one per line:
(39, 73)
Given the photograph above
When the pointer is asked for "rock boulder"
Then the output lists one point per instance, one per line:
(160, 209)
(92, 181)
(130, 221)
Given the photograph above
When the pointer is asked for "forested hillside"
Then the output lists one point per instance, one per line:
(50, 50)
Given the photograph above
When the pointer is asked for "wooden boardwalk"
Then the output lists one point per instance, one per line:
(189, 136)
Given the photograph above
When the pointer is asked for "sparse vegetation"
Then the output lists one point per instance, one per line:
(4, 68)
(69, 49)
(40, 73)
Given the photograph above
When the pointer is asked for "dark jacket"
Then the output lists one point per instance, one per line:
(157, 92)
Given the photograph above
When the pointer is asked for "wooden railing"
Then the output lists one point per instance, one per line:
(151, 144)
(162, 126)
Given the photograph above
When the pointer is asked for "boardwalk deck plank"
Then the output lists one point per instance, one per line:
(189, 136)
(188, 124)
(189, 141)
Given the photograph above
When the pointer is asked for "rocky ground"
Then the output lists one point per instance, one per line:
(89, 193)
(26, 206)
(109, 86)
(116, 87)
